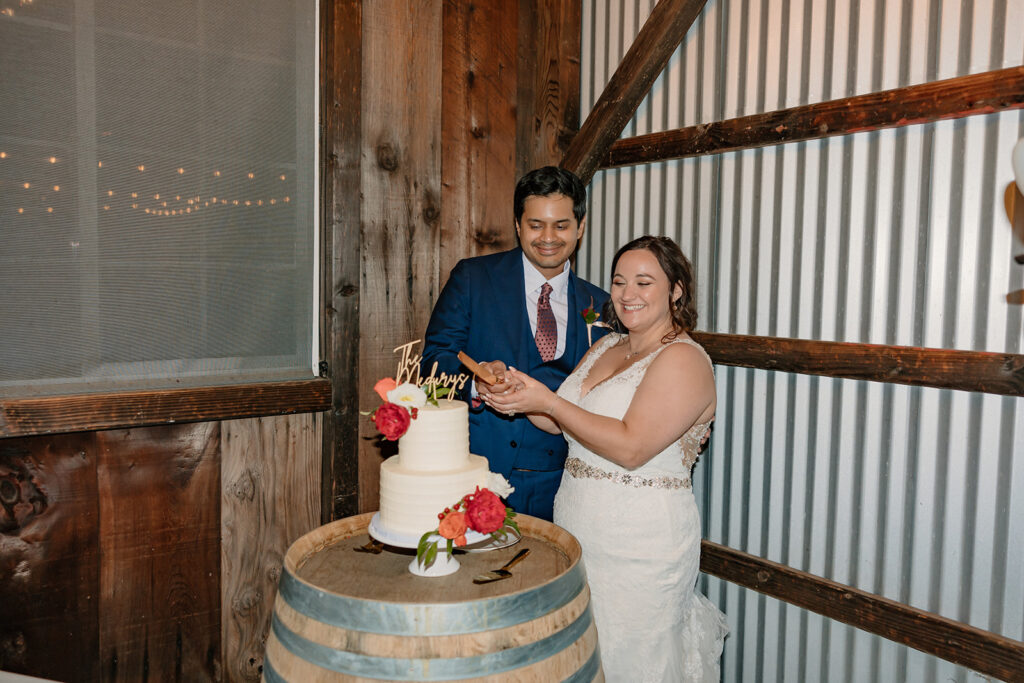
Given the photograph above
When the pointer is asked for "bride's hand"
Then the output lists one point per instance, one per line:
(527, 395)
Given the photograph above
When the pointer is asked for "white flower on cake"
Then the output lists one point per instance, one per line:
(499, 485)
(408, 395)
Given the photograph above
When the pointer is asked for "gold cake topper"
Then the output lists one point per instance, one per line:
(433, 385)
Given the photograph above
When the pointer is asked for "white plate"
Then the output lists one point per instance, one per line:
(398, 540)
(511, 538)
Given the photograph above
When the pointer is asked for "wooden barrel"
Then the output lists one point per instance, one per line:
(344, 615)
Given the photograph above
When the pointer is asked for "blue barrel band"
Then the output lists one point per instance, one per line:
(438, 619)
(587, 672)
(439, 669)
(270, 675)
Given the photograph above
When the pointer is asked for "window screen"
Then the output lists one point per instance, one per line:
(157, 192)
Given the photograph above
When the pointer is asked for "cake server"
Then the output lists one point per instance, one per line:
(503, 572)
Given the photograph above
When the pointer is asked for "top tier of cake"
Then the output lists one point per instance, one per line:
(438, 439)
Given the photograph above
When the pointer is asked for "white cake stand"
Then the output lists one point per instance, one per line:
(443, 564)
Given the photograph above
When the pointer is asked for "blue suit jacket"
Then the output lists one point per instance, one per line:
(482, 311)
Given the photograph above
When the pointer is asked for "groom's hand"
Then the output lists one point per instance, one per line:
(496, 368)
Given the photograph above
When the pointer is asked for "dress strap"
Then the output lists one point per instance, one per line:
(650, 358)
(698, 347)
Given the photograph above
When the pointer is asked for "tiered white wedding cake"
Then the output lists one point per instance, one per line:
(433, 469)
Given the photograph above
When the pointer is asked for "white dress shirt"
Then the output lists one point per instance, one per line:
(559, 299)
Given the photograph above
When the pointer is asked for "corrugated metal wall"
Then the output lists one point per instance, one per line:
(892, 237)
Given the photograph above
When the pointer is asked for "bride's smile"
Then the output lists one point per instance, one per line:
(640, 292)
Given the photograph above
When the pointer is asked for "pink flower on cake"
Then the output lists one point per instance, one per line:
(453, 526)
(392, 420)
(484, 511)
(383, 386)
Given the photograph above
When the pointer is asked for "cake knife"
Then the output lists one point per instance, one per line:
(476, 368)
(503, 572)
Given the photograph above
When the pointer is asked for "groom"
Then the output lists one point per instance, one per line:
(522, 308)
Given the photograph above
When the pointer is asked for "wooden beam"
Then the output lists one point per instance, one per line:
(982, 651)
(664, 29)
(341, 215)
(82, 412)
(988, 372)
(954, 98)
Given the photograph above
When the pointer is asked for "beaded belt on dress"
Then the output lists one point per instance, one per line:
(582, 470)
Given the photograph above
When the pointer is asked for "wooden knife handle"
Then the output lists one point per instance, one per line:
(476, 368)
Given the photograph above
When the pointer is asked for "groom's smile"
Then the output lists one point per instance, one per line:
(548, 232)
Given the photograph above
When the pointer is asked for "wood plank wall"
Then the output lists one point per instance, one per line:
(151, 552)
(458, 100)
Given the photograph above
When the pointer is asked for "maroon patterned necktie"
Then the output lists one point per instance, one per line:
(547, 330)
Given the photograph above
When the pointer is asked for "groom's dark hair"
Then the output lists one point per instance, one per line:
(549, 180)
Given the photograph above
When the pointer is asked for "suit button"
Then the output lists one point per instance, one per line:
(513, 444)
(551, 452)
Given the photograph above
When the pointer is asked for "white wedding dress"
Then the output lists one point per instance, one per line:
(640, 533)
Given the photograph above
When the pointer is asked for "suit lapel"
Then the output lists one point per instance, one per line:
(572, 327)
(509, 286)
(579, 301)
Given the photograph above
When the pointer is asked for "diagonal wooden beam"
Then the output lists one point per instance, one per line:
(646, 58)
(953, 98)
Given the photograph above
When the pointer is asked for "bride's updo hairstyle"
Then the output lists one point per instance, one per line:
(679, 272)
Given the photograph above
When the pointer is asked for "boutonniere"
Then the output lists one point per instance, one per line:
(590, 316)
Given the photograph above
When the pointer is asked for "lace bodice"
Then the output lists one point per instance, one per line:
(612, 398)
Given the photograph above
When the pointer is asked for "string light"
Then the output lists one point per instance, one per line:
(166, 208)
(3, 155)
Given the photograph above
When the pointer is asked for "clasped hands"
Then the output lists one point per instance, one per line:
(513, 391)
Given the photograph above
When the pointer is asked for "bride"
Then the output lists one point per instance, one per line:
(635, 412)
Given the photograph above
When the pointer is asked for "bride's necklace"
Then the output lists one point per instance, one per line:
(630, 355)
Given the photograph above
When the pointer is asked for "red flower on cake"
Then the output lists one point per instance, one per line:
(485, 511)
(453, 526)
(481, 511)
(392, 420)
